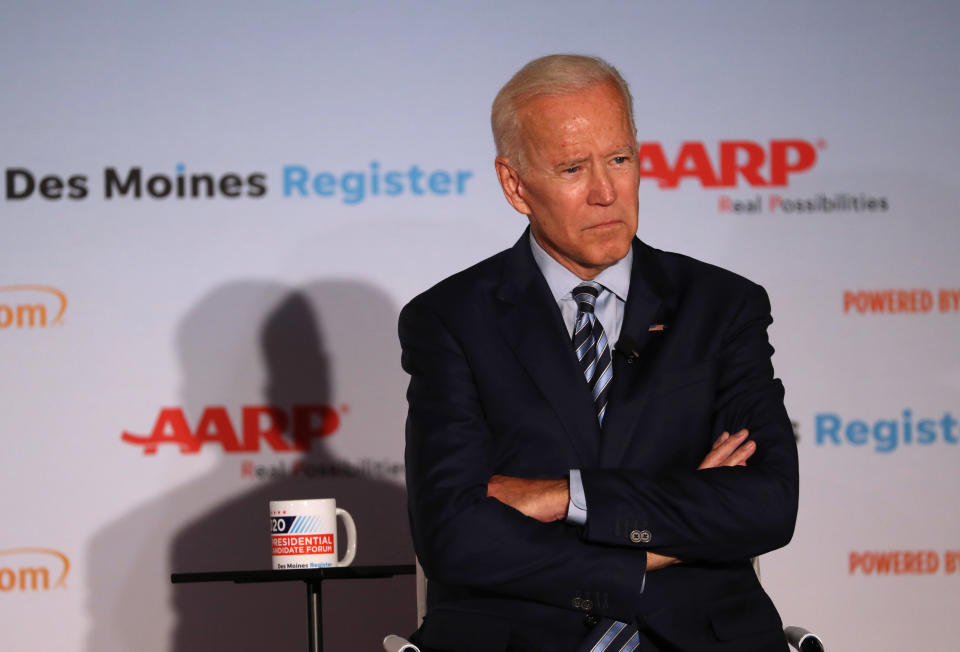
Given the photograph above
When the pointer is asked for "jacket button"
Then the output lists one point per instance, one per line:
(587, 605)
(576, 603)
(640, 536)
(590, 620)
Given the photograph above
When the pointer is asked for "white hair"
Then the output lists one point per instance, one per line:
(553, 75)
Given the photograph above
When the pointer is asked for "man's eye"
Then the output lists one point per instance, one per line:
(620, 160)
(574, 169)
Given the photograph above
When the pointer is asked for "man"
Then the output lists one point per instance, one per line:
(563, 496)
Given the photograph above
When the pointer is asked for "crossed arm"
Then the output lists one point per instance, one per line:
(475, 528)
(546, 500)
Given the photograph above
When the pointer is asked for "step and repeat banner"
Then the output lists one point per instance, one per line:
(212, 214)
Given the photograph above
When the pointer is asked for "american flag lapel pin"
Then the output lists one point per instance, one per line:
(656, 328)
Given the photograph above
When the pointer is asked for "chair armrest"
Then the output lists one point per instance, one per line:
(803, 640)
(394, 643)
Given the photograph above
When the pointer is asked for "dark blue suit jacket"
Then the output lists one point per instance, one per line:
(495, 389)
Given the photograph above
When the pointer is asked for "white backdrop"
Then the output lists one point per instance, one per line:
(190, 317)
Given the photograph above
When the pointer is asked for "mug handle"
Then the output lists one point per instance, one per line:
(351, 528)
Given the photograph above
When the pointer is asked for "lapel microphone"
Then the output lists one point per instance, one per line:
(628, 348)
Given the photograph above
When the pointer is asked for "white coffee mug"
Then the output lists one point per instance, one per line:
(303, 534)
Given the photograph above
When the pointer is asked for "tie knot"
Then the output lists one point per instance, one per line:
(586, 295)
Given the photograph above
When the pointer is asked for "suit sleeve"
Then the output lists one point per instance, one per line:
(720, 514)
(461, 536)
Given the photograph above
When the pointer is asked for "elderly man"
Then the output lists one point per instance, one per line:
(573, 483)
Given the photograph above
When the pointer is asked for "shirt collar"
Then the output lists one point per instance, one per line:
(561, 280)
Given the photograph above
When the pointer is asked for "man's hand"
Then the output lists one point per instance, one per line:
(547, 500)
(656, 561)
(729, 450)
(726, 451)
(544, 500)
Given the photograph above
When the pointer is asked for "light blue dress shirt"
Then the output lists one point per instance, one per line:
(609, 310)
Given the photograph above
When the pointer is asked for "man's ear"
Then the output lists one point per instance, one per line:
(511, 184)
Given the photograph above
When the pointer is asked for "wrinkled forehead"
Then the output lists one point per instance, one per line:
(564, 114)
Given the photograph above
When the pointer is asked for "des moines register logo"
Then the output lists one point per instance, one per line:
(292, 182)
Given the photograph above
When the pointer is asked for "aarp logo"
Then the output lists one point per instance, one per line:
(280, 430)
(31, 306)
(729, 163)
(27, 570)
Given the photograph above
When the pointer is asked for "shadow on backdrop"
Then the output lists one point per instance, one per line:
(250, 343)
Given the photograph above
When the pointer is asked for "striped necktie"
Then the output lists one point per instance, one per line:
(591, 345)
(611, 636)
(593, 351)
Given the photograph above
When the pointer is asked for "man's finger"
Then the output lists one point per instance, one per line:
(731, 441)
(723, 448)
(740, 456)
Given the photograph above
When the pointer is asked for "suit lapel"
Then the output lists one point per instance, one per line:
(652, 301)
(533, 327)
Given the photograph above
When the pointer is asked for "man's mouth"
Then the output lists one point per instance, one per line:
(606, 225)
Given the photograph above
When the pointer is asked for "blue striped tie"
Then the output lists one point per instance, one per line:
(611, 636)
(591, 345)
(593, 351)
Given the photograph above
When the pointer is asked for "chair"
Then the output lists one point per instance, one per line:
(798, 637)
(394, 643)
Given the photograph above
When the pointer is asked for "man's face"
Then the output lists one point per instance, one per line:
(579, 179)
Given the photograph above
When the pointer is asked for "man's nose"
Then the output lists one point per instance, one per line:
(602, 192)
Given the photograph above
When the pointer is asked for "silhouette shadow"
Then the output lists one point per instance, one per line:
(250, 343)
